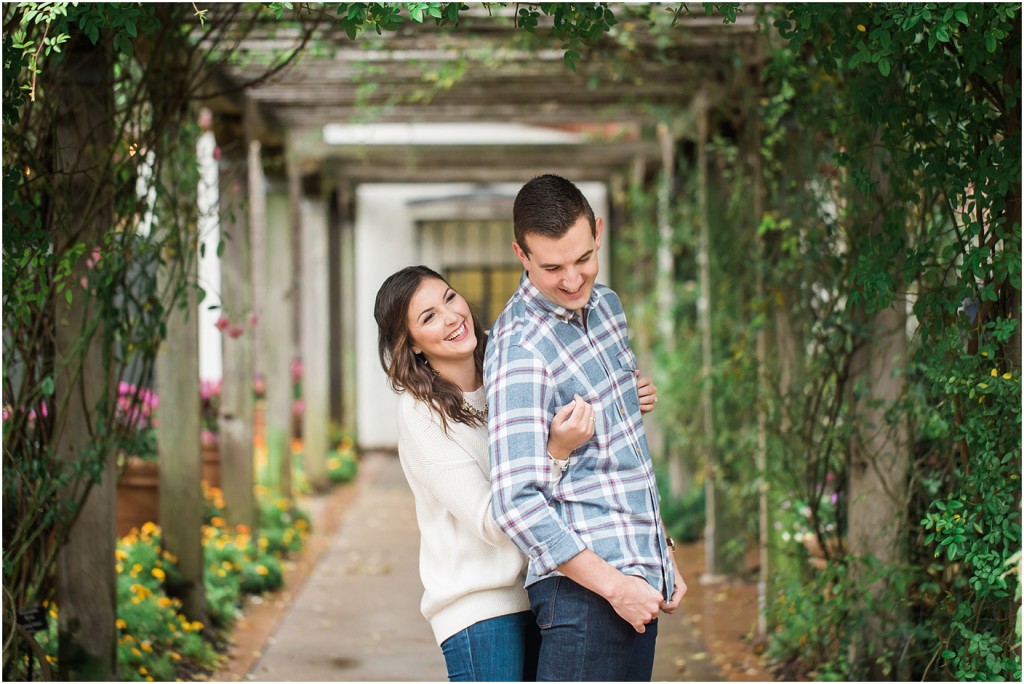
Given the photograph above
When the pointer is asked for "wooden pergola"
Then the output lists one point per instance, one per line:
(287, 196)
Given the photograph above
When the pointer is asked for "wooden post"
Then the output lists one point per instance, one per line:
(348, 307)
(276, 333)
(86, 579)
(181, 471)
(666, 271)
(711, 541)
(236, 399)
(761, 456)
(315, 341)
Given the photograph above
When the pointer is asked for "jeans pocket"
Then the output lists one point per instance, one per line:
(543, 598)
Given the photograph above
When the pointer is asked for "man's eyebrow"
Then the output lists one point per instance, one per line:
(582, 256)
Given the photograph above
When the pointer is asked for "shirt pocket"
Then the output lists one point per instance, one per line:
(626, 380)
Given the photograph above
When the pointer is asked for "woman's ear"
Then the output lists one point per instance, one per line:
(415, 350)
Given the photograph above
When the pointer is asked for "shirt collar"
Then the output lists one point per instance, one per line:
(536, 298)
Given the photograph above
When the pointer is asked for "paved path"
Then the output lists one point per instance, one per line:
(357, 617)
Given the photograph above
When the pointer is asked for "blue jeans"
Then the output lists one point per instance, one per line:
(501, 649)
(584, 639)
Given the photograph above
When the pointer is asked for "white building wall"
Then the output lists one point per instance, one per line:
(386, 241)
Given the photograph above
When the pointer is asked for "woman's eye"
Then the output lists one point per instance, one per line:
(450, 297)
(429, 317)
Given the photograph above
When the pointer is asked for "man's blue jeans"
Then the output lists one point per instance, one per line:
(501, 649)
(584, 639)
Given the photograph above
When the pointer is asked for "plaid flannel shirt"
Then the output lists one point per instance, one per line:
(538, 356)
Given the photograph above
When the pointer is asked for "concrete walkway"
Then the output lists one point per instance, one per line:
(357, 616)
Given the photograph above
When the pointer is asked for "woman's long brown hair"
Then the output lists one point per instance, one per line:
(410, 372)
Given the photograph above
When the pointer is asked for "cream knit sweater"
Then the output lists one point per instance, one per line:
(471, 571)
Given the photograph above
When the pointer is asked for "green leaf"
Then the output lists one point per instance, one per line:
(47, 386)
(884, 67)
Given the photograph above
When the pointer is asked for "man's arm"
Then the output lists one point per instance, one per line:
(521, 397)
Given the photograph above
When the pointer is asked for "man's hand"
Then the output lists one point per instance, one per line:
(677, 593)
(636, 602)
(648, 394)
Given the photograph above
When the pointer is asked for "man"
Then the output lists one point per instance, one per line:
(594, 537)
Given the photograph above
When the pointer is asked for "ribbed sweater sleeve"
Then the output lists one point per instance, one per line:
(452, 475)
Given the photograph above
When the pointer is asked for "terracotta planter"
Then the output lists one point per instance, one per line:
(138, 495)
(211, 464)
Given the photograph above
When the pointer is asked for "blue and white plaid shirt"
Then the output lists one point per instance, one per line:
(538, 356)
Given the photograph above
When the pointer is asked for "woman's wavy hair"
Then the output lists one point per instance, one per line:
(408, 371)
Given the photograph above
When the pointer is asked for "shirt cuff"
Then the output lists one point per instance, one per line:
(547, 556)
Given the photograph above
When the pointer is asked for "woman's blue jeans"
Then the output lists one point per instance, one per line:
(584, 639)
(501, 649)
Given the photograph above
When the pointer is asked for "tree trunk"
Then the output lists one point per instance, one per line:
(86, 578)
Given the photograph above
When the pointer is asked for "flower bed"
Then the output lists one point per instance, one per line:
(156, 642)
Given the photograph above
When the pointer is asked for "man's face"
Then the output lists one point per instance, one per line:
(564, 269)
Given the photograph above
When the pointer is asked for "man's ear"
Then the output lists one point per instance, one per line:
(523, 258)
(598, 229)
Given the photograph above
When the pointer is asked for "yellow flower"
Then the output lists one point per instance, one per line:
(175, 656)
(995, 372)
(137, 653)
(143, 671)
(150, 528)
(158, 573)
(262, 570)
(120, 555)
(121, 624)
(862, 28)
(1007, 376)
(197, 625)
(137, 567)
(217, 521)
(164, 601)
(147, 648)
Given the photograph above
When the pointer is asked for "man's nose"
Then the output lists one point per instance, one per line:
(573, 278)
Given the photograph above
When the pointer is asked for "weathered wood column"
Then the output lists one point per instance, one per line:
(276, 333)
(86, 579)
(346, 305)
(315, 338)
(236, 402)
(712, 543)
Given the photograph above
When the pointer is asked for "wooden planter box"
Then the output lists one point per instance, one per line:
(138, 495)
(138, 491)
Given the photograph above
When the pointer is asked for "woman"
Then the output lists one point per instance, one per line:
(432, 350)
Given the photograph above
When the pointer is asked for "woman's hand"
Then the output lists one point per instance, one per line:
(648, 394)
(571, 427)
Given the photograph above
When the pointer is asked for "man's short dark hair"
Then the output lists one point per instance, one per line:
(549, 205)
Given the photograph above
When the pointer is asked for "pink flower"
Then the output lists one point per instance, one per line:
(254, 319)
(298, 406)
(235, 331)
(296, 370)
(216, 153)
(223, 322)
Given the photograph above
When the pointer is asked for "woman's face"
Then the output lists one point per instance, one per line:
(440, 323)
